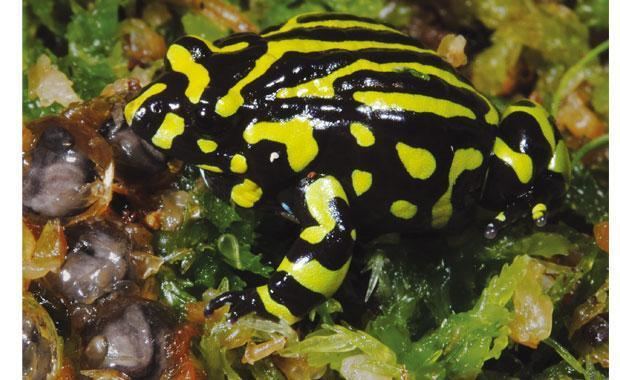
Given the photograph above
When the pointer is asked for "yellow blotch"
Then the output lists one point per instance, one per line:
(538, 210)
(520, 163)
(238, 164)
(210, 168)
(340, 24)
(464, 159)
(296, 134)
(361, 181)
(412, 102)
(230, 103)
(403, 209)
(353, 234)
(207, 146)
(314, 276)
(273, 307)
(319, 196)
(419, 162)
(172, 126)
(363, 135)
(560, 161)
(132, 107)
(324, 87)
(501, 217)
(246, 194)
(197, 75)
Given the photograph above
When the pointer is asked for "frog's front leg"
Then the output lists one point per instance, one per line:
(529, 170)
(315, 265)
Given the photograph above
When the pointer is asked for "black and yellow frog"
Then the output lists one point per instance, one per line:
(353, 128)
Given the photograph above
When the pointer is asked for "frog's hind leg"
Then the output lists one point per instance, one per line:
(315, 265)
(529, 170)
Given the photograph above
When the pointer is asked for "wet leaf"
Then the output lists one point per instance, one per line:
(587, 197)
(239, 256)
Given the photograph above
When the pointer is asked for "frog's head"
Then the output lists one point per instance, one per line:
(176, 115)
(530, 168)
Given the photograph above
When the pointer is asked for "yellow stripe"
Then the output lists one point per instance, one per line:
(363, 135)
(324, 87)
(542, 118)
(412, 102)
(403, 209)
(520, 163)
(229, 48)
(210, 168)
(172, 126)
(292, 24)
(181, 61)
(464, 159)
(246, 194)
(225, 49)
(361, 181)
(207, 146)
(230, 103)
(538, 211)
(296, 134)
(419, 162)
(275, 308)
(319, 195)
(132, 107)
(314, 276)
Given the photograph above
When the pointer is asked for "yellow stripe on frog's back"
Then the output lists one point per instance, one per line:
(398, 101)
(294, 24)
(230, 103)
(232, 48)
(324, 87)
(198, 78)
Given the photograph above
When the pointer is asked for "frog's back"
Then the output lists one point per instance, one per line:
(334, 94)
(388, 117)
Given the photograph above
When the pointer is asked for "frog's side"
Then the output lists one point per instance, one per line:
(348, 124)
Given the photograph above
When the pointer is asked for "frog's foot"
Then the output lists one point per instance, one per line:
(539, 214)
(241, 303)
(515, 212)
(530, 168)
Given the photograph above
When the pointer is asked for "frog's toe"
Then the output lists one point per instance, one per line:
(491, 230)
(241, 303)
(539, 214)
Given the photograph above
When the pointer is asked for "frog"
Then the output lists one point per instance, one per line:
(351, 128)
